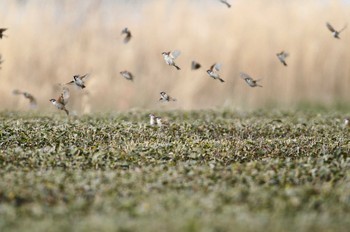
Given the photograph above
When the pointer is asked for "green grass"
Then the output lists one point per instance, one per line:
(207, 171)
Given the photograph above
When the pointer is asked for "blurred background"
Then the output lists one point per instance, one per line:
(50, 41)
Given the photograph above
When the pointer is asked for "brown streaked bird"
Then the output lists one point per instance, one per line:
(225, 2)
(78, 81)
(30, 97)
(335, 32)
(282, 57)
(2, 30)
(127, 35)
(161, 122)
(62, 100)
(250, 81)
(164, 97)
(195, 65)
(212, 72)
(127, 75)
(170, 57)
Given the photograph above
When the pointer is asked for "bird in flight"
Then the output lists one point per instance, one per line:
(78, 81)
(2, 30)
(335, 32)
(195, 65)
(226, 3)
(127, 35)
(212, 72)
(30, 97)
(170, 57)
(127, 75)
(62, 100)
(164, 97)
(282, 57)
(250, 81)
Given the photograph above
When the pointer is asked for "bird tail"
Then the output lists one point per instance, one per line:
(177, 67)
(65, 110)
(284, 63)
(221, 80)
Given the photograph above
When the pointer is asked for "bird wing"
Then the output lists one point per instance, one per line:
(329, 26)
(69, 83)
(85, 76)
(217, 67)
(346, 25)
(2, 30)
(174, 54)
(63, 98)
(17, 92)
(244, 75)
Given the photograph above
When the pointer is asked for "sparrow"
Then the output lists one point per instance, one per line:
(159, 121)
(78, 81)
(31, 98)
(195, 65)
(152, 119)
(282, 57)
(127, 75)
(2, 30)
(169, 58)
(62, 100)
(226, 3)
(165, 97)
(334, 32)
(250, 81)
(212, 72)
(127, 35)
(347, 122)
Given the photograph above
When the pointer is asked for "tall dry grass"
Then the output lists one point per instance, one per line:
(49, 41)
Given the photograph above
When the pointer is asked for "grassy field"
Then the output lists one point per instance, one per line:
(206, 171)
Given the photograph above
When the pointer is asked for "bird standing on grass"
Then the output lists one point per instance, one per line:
(212, 72)
(335, 32)
(31, 98)
(170, 57)
(250, 81)
(164, 97)
(62, 100)
(78, 81)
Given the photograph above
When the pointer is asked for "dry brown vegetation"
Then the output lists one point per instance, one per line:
(49, 41)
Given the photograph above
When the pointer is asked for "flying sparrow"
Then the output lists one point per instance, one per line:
(164, 97)
(213, 72)
(127, 35)
(250, 81)
(78, 81)
(152, 119)
(127, 75)
(62, 100)
(195, 65)
(282, 57)
(169, 58)
(334, 32)
(2, 30)
(32, 100)
(226, 3)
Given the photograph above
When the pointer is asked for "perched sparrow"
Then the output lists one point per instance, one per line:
(347, 122)
(282, 57)
(62, 100)
(250, 81)
(127, 35)
(169, 58)
(213, 72)
(195, 65)
(165, 97)
(2, 30)
(152, 119)
(32, 100)
(334, 32)
(127, 75)
(78, 81)
(226, 3)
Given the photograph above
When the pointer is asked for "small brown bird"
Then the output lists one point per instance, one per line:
(170, 57)
(282, 57)
(195, 65)
(164, 97)
(2, 30)
(31, 98)
(78, 81)
(127, 75)
(212, 72)
(152, 119)
(226, 3)
(347, 122)
(62, 100)
(127, 35)
(335, 32)
(250, 81)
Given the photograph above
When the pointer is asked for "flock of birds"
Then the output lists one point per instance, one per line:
(169, 58)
